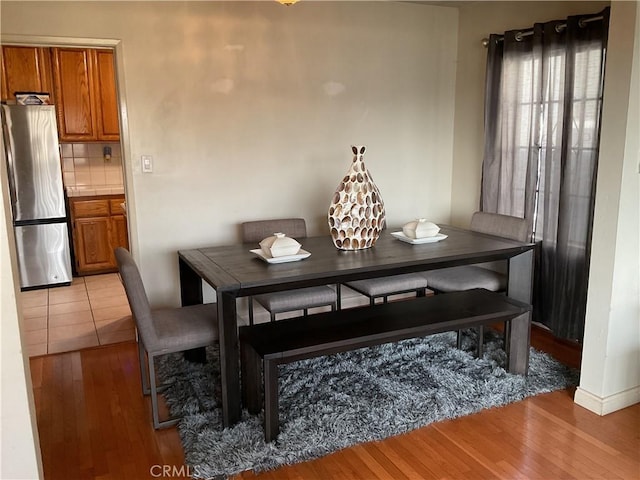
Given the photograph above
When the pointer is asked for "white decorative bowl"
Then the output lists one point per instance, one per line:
(420, 228)
(279, 245)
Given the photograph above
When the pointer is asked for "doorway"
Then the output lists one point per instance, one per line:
(93, 310)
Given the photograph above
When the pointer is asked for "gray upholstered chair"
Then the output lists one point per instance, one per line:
(163, 331)
(290, 300)
(386, 286)
(491, 276)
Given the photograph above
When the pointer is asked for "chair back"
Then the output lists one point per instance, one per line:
(506, 226)
(137, 296)
(258, 230)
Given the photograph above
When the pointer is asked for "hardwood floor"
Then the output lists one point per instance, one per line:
(94, 424)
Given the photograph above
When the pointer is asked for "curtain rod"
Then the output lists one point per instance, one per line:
(529, 31)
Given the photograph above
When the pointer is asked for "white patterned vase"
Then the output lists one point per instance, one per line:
(356, 214)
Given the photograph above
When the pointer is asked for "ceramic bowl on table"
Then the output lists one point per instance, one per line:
(420, 228)
(279, 245)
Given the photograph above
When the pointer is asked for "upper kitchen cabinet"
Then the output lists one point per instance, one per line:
(85, 92)
(107, 101)
(75, 94)
(25, 69)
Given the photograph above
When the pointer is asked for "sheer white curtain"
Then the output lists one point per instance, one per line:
(542, 124)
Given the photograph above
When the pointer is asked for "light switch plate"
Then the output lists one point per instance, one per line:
(147, 164)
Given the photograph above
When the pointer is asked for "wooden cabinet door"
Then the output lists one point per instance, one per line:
(25, 69)
(119, 235)
(75, 93)
(107, 100)
(93, 245)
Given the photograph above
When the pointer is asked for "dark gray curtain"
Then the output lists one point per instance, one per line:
(542, 128)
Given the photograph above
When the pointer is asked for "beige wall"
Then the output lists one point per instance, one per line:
(19, 446)
(249, 110)
(611, 371)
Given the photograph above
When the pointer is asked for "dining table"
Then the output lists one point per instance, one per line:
(235, 271)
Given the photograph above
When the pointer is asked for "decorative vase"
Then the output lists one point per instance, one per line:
(356, 214)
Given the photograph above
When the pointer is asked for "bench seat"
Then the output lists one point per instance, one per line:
(326, 333)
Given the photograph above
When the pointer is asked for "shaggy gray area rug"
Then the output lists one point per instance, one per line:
(336, 401)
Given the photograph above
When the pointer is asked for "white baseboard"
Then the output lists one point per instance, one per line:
(608, 404)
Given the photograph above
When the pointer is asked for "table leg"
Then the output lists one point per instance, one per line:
(519, 331)
(191, 294)
(521, 277)
(251, 373)
(190, 285)
(229, 358)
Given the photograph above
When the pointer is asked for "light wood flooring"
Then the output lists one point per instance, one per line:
(92, 311)
(94, 423)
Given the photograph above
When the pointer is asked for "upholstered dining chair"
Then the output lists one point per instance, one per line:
(162, 331)
(490, 276)
(290, 300)
(384, 287)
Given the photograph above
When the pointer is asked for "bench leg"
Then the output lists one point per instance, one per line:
(518, 343)
(480, 340)
(459, 339)
(250, 377)
(271, 422)
(505, 338)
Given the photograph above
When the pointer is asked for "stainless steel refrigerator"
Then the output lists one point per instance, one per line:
(30, 139)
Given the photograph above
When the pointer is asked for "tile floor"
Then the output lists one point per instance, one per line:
(92, 311)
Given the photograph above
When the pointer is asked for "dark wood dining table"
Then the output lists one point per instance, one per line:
(233, 271)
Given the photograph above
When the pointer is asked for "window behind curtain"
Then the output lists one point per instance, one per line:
(542, 124)
(536, 125)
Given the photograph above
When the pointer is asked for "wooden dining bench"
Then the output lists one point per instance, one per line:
(285, 341)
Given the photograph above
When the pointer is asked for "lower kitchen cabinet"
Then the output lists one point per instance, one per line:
(92, 245)
(119, 234)
(99, 226)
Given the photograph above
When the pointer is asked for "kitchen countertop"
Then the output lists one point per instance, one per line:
(93, 191)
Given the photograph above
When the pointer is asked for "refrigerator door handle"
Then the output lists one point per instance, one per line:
(8, 151)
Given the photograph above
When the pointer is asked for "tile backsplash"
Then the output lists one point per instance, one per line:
(86, 172)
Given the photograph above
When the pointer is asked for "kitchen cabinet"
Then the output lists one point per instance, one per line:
(75, 94)
(119, 233)
(98, 226)
(92, 245)
(107, 100)
(25, 69)
(86, 100)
